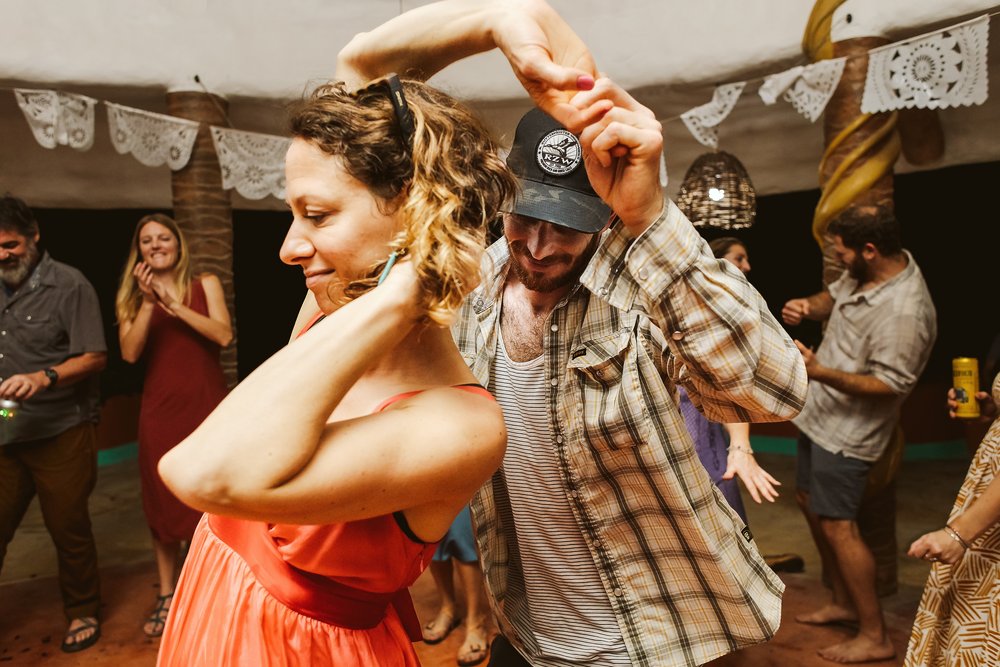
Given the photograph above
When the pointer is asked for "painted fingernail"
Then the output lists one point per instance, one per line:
(584, 82)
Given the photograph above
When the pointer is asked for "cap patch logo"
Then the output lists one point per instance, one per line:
(558, 153)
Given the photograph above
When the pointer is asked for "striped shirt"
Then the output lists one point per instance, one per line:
(887, 332)
(685, 584)
(564, 588)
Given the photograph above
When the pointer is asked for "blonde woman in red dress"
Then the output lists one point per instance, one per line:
(176, 324)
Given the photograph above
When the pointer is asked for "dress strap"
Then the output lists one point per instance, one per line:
(471, 388)
(313, 321)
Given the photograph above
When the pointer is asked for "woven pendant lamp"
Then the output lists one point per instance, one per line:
(717, 193)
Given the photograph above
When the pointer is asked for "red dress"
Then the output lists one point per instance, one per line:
(271, 595)
(183, 384)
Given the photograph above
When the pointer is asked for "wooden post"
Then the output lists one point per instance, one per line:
(202, 208)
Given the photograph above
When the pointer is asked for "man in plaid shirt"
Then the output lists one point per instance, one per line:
(602, 538)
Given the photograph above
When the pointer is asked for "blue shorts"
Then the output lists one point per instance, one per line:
(459, 543)
(835, 483)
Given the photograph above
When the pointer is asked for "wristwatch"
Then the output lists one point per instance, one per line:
(52, 376)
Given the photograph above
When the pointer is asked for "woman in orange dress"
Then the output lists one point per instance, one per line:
(176, 324)
(332, 470)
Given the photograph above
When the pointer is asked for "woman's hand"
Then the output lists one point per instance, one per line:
(758, 482)
(987, 408)
(164, 295)
(144, 280)
(548, 58)
(937, 546)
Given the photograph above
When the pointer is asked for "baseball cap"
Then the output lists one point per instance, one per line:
(548, 161)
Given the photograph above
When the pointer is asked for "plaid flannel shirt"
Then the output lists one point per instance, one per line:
(678, 566)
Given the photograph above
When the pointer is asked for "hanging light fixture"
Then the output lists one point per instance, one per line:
(717, 193)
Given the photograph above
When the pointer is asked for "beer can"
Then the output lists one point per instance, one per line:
(965, 379)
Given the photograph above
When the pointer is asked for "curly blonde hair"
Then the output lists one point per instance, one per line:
(129, 298)
(452, 182)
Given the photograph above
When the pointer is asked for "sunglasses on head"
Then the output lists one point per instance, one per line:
(393, 88)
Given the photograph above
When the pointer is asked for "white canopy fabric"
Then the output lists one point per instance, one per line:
(259, 54)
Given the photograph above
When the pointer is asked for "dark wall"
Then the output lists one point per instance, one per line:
(950, 225)
(947, 225)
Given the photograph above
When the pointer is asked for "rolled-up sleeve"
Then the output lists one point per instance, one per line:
(725, 347)
(899, 352)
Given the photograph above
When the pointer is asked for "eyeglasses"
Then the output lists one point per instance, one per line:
(404, 118)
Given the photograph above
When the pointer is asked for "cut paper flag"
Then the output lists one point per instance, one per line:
(807, 87)
(703, 121)
(58, 119)
(942, 69)
(152, 138)
(252, 163)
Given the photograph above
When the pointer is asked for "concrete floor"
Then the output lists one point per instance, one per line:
(31, 623)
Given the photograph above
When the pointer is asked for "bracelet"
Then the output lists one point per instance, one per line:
(953, 534)
(745, 450)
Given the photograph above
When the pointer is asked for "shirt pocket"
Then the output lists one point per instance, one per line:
(40, 332)
(608, 375)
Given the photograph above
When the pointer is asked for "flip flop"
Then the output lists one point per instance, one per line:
(454, 623)
(89, 622)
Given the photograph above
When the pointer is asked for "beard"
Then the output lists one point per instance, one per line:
(15, 270)
(550, 282)
(859, 269)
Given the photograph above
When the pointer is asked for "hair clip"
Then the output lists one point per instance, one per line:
(389, 263)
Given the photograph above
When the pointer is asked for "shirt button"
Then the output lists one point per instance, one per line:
(479, 303)
(643, 274)
(554, 382)
(599, 374)
(3, 333)
(555, 327)
(597, 542)
(574, 494)
(677, 335)
(603, 291)
(559, 439)
(618, 592)
(28, 317)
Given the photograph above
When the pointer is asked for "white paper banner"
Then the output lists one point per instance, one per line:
(152, 138)
(944, 69)
(252, 163)
(703, 121)
(58, 119)
(808, 87)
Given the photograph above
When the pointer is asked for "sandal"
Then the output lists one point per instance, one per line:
(155, 622)
(453, 622)
(87, 623)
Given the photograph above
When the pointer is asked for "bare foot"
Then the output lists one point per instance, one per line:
(831, 613)
(475, 647)
(859, 649)
(437, 630)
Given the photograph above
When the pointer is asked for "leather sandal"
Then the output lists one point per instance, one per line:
(156, 621)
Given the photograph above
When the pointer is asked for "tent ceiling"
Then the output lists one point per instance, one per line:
(260, 54)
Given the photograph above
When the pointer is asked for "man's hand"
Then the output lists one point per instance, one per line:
(23, 386)
(795, 311)
(622, 149)
(809, 357)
